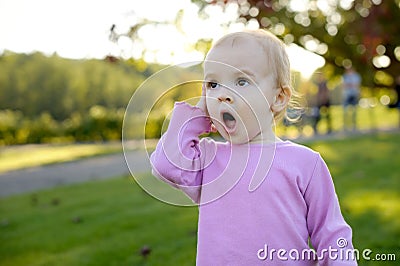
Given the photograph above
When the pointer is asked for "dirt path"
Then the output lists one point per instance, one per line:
(99, 167)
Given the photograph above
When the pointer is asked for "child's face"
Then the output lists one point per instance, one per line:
(239, 89)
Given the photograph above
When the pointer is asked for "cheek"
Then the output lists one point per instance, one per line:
(212, 103)
(256, 113)
(254, 102)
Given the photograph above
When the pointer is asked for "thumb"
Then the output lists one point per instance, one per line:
(213, 128)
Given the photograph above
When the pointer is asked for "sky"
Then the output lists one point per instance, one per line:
(72, 28)
(80, 29)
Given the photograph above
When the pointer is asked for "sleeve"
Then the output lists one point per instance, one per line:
(178, 156)
(330, 235)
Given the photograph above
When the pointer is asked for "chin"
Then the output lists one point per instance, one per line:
(235, 138)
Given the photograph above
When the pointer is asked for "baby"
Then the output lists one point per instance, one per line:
(261, 200)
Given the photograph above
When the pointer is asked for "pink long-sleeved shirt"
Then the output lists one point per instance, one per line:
(271, 225)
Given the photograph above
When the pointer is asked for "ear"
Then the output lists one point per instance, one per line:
(281, 99)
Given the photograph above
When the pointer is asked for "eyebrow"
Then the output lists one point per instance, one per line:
(237, 71)
(247, 72)
(208, 76)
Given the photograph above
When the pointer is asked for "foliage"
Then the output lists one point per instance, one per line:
(34, 84)
(108, 222)
(359, 33)
(50, 98)
(99, 124)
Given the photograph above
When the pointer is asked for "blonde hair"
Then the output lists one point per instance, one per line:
(276, 57)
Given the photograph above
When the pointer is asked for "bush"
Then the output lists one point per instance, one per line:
(99, 124)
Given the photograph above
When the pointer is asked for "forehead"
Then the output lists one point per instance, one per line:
(241, 52)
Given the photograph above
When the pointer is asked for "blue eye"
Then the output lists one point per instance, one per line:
(212, 85)
(242, 82)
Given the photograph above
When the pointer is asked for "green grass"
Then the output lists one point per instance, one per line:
(118, 218)
(18, 157)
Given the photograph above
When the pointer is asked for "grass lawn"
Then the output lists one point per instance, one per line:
(108, 222)
(97, 223)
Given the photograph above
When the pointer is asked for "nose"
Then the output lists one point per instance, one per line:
(225, 98)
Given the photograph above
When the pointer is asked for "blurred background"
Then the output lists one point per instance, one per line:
(69, 68)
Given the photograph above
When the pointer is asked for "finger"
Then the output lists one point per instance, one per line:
(213, 128)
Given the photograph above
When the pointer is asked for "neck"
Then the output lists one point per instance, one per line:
(266, 136)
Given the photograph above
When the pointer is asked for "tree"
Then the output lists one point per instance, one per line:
(359, 33)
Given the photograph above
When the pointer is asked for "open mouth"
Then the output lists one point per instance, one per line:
(229, 121)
